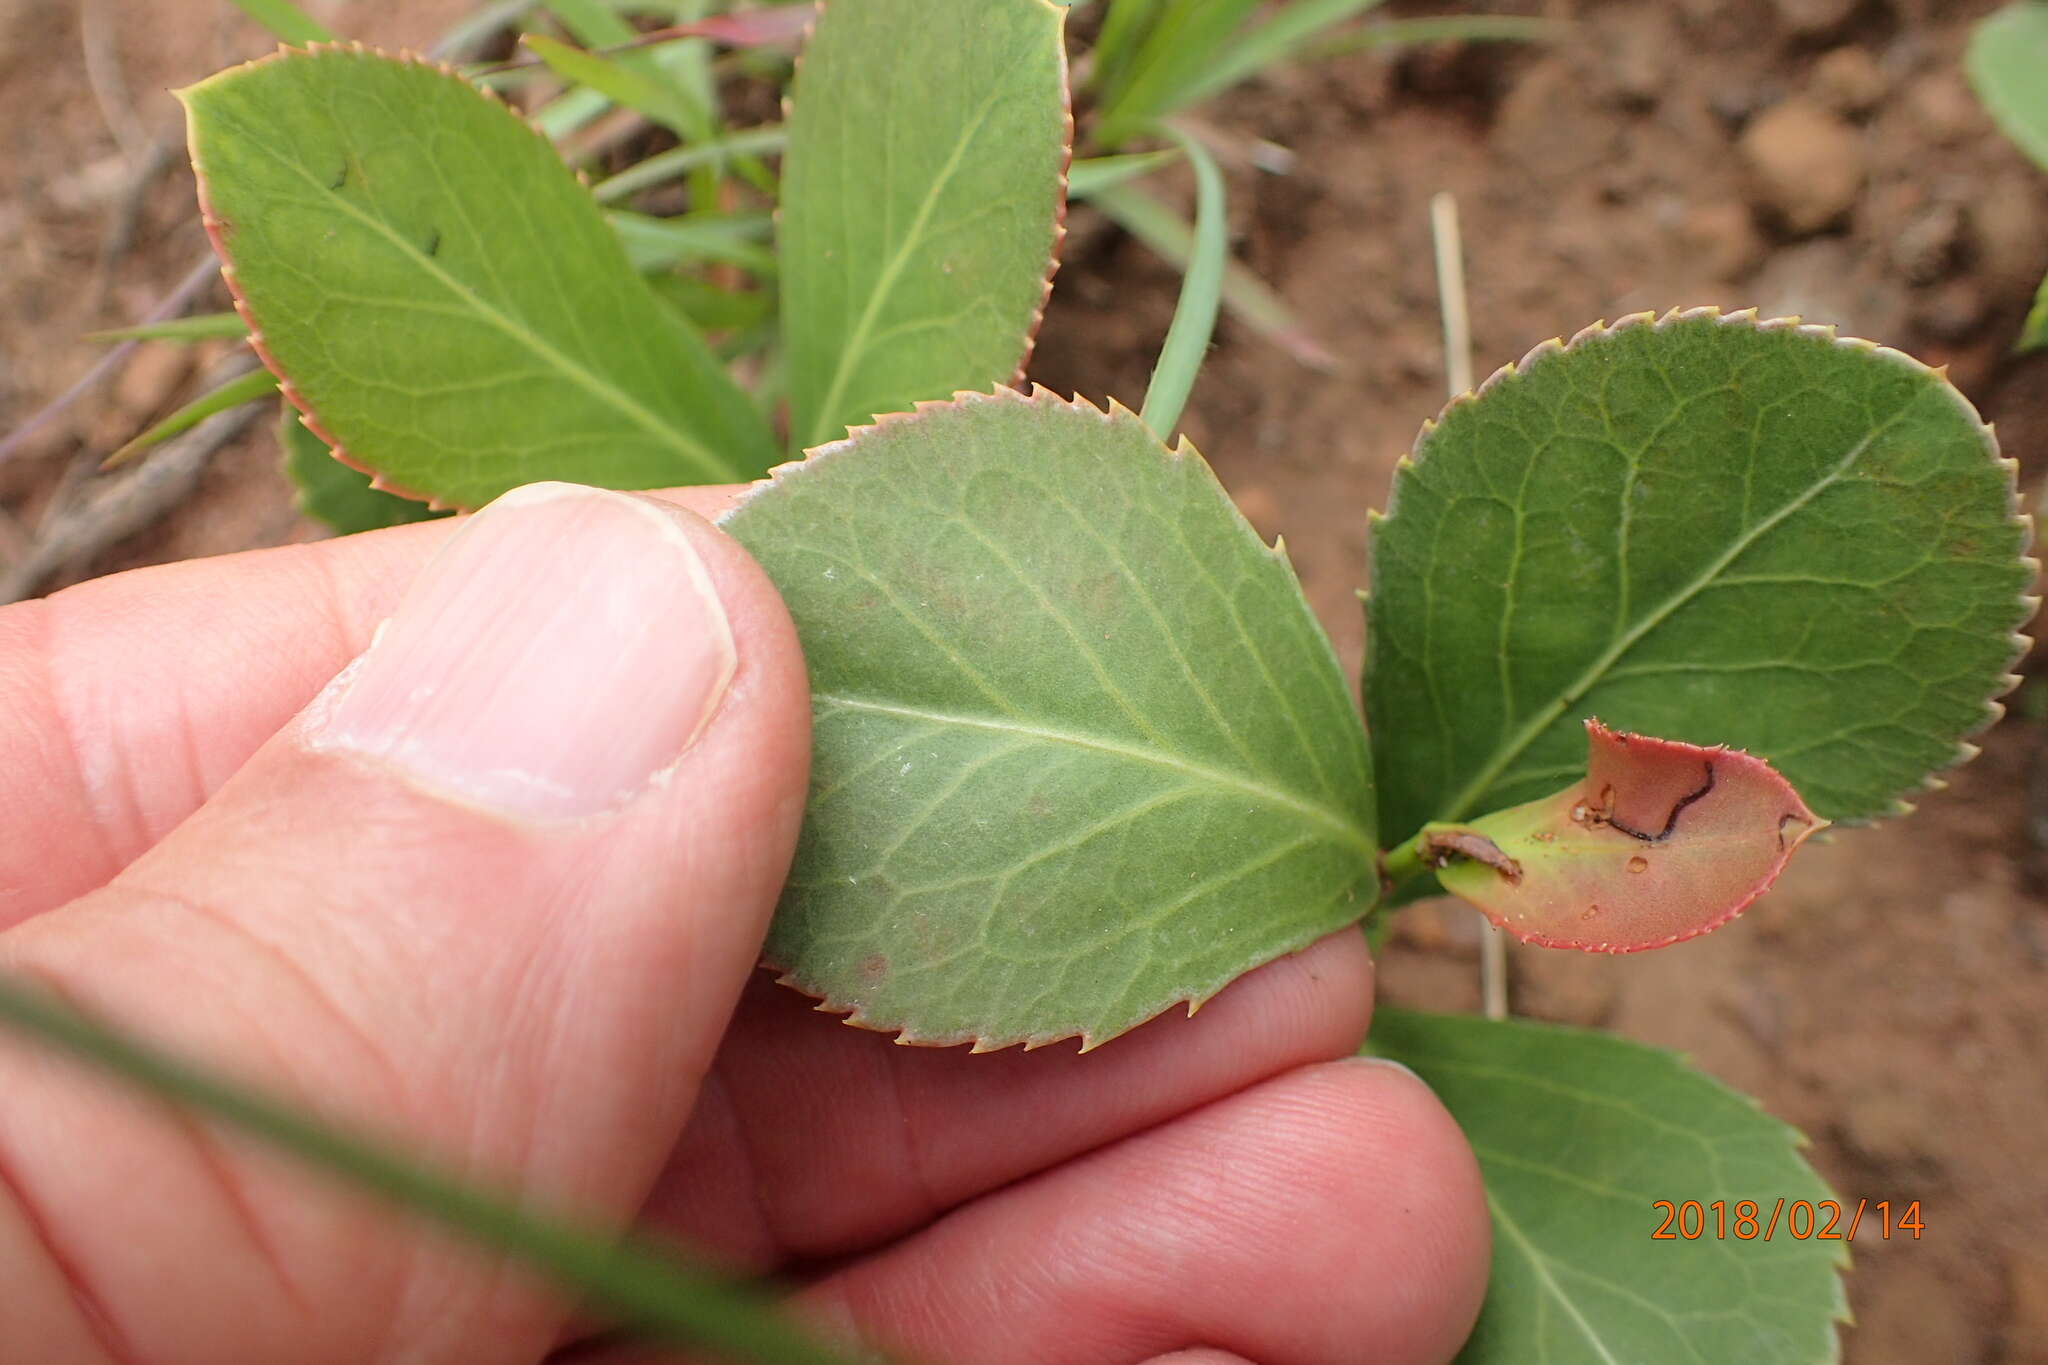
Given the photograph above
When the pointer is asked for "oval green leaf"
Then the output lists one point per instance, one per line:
(1579, 1135)
(922, 195)
(1081, 750)
(1698, 527)
(440, 295)
(2008, 65)
(1659, 842)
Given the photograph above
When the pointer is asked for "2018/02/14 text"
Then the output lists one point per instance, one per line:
(1825, 1220)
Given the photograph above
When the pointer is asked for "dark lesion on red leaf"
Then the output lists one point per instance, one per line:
(1603, 814)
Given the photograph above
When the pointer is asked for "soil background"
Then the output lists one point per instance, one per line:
(1813, 157)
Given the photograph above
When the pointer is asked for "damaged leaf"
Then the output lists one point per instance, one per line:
(1660, 841)
(1702, 527)
(1081, 752)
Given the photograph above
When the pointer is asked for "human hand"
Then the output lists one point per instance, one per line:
(494, 894)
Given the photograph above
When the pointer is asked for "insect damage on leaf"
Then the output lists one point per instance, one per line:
(1660, 841)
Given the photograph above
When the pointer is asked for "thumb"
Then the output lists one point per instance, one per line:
(492, 895)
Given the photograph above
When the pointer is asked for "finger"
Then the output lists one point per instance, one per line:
(491, 896)
(811, 1141)
(1326, 1217)
(126, 701)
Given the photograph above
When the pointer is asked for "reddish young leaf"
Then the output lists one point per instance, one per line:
(1660, 841)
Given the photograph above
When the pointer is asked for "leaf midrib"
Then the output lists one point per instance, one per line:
(1459, 806)
(595, 385)
(1539, 1264)
(1347, 830)
(851, 354)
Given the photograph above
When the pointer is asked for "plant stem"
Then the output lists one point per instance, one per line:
(1450, 284)
(1404, 862)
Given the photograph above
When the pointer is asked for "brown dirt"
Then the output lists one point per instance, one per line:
(1890, 996)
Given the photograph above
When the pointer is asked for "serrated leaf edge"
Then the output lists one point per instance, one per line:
(2022, 521)
(215, 234)
(1796, 1137)
(1041, 397)
(1029, 341)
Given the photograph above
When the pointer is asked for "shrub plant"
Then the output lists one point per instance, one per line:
(1649, 609)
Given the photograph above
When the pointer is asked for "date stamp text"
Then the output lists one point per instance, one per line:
(1802, 1220)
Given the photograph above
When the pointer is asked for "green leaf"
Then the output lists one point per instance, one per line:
(1082, 752)
(1578, 1136)
(1658, 842)
(199, 327)
(1703, 528)
(2007, 62)
(921, 203)
(330, 492)
(442, 295)
(2034, 332)
(655, 1296)
(286, 21)
(243, 388)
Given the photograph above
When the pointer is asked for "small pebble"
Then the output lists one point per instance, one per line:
(1849, 81)
(1805, 164)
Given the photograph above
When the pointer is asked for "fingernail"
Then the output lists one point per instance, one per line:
(563, 649)
(1389, 1064)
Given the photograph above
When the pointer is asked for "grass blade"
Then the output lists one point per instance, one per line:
(593, 23)
(1250, 299)
(1124, 29)
(1201, 291)
(198, 327)
(663, 243)
(1279, 39)
(286, 21)
(1092, 175)
(1187, 38)
(656, 1297)
(661, 101)
(680, 161)
(243, 388)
